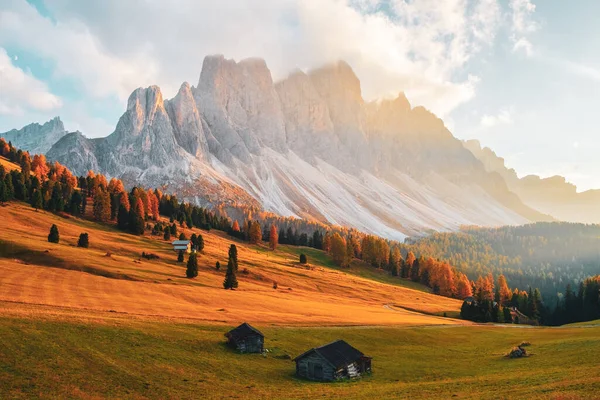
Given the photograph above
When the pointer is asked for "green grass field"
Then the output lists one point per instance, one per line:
(357, 268)
(118, 357)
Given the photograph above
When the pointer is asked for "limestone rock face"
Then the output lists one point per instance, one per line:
(307, 146)
(36, 138)
(339, 87)
(239, 103)
(309, 130)
(143, 137)
(77, 152)
(187, 123)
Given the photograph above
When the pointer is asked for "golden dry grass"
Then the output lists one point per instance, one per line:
(33, 271)
(8, 166)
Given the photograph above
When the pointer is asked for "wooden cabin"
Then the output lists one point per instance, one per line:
(246, 339)
(182, 245)
(332, 362)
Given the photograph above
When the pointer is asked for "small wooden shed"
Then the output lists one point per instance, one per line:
(331, 362)
(182, 245)
(246, 339)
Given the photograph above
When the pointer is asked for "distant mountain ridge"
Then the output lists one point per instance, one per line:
(307, 146)
(553, 195)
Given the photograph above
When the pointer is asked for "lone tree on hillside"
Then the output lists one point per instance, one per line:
(192, 266)
(273, 237)
(180, 256)
(54, 236)
(218, 266)
(230, 281)
(233, 256)
(84, 241)
(303, 259)
(199, 243)
(167, 235)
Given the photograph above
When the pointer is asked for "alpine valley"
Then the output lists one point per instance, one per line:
(310, 147)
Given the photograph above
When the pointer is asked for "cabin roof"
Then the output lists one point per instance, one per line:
(242, 331)
(180, 242)
(338, 353)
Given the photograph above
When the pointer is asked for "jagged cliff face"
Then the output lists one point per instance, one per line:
(36, 138)
(554, 195)
(306, 146)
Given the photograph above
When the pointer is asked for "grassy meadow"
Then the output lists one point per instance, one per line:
(100, 355)
(104, 323)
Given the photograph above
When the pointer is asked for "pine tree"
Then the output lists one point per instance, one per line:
(303, 259)
(233, 256)
(75, 203)
(136, 218)
(3, 192)
(192, 266)
(200, 243)
(230, 281)
(54, 236)
(180, 256)
(167, 235)
(84, 240)
(36, 199)
(122, 218)
(507, 315)
(182, 236)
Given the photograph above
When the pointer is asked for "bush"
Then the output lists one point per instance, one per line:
(54, 236)
(84, 241)
(303, 259)
(167, 235)
(274, 285)
(218, 266)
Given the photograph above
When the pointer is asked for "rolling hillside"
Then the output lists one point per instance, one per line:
(37, 272)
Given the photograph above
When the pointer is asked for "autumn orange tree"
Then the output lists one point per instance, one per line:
(273, 237)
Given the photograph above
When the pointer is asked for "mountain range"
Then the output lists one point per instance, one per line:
(308, 146)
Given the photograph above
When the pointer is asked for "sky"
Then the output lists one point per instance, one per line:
(521, 76)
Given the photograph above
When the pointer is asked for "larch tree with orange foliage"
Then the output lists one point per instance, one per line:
(504, 292)
(327, 242)
(236, 226)
(273, 238)
(255, 233)
(463, 286)
(102, 206)
(338, 249)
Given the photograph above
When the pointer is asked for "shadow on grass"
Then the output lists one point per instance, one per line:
(21, 253)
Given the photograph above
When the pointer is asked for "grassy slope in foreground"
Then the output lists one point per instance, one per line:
(109, 355)
(37, 272)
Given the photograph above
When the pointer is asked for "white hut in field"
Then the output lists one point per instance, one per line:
(182, 245)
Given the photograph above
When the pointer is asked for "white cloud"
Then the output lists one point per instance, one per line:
(582, 70)
(114, 46)
(504, 117)
(74, 51)
(20, 91)
(524, 45)
(523, 24)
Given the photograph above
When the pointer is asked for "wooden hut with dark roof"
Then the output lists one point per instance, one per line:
(331, 362)
(246, 339)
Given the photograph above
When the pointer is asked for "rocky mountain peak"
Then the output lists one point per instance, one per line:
(187, 123)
